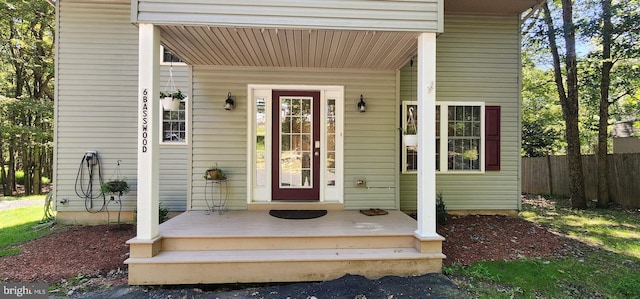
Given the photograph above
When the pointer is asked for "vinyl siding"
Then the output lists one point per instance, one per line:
(477, 60)
(219, 136)
(96, 108)
(388, 15)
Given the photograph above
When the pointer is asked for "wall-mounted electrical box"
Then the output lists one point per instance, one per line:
(91, 157)
(360, 182)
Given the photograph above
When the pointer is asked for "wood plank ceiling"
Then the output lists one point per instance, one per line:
(228, 46)
(315, 48)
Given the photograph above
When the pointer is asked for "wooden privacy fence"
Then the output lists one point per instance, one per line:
(550, 175)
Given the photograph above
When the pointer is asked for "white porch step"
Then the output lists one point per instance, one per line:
(252, 246)
(228, 266)
(196, 243)
(237, 256)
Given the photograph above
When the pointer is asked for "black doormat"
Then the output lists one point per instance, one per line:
(297, 214)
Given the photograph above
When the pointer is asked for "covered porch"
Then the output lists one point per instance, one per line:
(252, 246)
(292, 45)
(245, 245)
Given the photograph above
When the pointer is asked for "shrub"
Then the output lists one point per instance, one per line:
(441, 210)
(163, 214)
(20, 178)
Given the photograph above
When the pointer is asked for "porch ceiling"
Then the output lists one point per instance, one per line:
(229, 46)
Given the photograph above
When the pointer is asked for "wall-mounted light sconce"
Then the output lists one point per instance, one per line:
(362, 106)
(229, 103)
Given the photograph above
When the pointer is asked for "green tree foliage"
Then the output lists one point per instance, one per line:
(542, 122)
(604, 77)
(27, 39)
(26, 129)
(567, 86)
(26, 91)
(617, 33)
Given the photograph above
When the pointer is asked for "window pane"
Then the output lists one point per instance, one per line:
(437, 121)
(410, 123)
(295, 150)
(260, 170)
(464, 138)
(476, 113)
(168, 56)
(412, 159)
(286, 142)
(437, 153)
(459, 112)
(331, 177)
(330, 171)
(174, 125)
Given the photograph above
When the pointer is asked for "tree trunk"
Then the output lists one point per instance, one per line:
(26, 169)
(37, 170)
(11, 171)
(4, 180)
(603, 124)
(568, 99)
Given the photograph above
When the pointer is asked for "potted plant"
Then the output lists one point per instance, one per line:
(410, 136)
(214, 173)
(115, 186)
(171, 100)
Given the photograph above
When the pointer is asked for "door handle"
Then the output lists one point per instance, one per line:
(317, 154)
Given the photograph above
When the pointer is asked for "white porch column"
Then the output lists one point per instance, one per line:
(426, 136)
(148, 130)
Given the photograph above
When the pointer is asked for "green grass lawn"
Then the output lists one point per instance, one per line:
(17, 227)
(607, 265)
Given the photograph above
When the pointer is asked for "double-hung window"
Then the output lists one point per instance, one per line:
(174, 124)
(460, 137)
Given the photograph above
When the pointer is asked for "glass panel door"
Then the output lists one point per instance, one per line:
(296, 152)
(296, 142)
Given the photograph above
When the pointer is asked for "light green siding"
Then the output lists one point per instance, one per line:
(388, 15)
(96, 105)
(477, 60)
(96, 109)
(219, 136)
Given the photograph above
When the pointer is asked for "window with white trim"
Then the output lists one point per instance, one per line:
(174, 125)
(459, 133)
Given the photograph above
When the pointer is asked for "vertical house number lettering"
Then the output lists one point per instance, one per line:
(145, 119)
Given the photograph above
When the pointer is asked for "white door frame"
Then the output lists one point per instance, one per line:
(259, 190)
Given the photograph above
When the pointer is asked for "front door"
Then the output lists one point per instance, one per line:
(296, 145)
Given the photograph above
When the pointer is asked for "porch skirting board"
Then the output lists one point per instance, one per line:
(86, 218)
(252, 246)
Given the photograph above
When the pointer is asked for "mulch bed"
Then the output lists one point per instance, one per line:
(97, 251)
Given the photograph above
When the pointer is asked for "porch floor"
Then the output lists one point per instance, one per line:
(261, 224)
(253, 246)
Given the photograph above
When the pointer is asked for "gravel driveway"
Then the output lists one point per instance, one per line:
(347, 287)
(12, 204)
